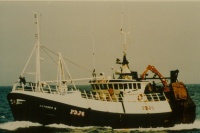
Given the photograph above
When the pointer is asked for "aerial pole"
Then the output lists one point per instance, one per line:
(125, 42)
(93, 52)
(37, 36)
(125, 34)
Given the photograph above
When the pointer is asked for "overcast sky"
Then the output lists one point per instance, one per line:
(164, 34)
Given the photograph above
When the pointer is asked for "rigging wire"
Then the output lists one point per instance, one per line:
(48, 54)
(67, 60)
(43, 48)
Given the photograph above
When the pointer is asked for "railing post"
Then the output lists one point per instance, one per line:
(22, 86)
(91, 95)
(103, 96)
(85, 94)
(152, 97)
(49, 88)
(158, 96)
(165, 96)
(110, 97)
(31, 86)
(41, 88)
(116, 98)
(98, 96)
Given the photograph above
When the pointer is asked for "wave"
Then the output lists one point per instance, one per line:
(16, 125)
(71, 127)
(195, 125)
(177, 127)
(11, 126)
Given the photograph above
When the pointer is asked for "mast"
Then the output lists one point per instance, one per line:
(125, 43)
(125, 68)
(93, 52)
(37, 36)
(60, 74)
(125, 71)
(124, 30)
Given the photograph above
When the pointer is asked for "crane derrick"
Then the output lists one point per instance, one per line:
(156, 72)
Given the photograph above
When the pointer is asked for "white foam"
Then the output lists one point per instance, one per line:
(195, 125)
(71, 127)
(11, 126)
(17, 124)
(60, 126)
(2, 117)
(177, 127)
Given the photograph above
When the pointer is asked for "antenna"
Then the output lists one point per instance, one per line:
(37, 36)
(93, 51)
(122, 17)
(125, 42)
(93, 47)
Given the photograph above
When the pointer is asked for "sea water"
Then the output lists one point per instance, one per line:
(7, 123)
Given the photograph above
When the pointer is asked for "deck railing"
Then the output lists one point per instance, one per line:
(129, 98)
(53, 89)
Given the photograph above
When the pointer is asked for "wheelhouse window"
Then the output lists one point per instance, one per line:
(134, 86)
(116, 86)
(139, 85)
(121, 86)
(103, 86)
(97, 86)
(110, 86)
(130, 85)
(125, 86)
(93, 86)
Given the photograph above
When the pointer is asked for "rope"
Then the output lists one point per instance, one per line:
(66, 59)
(48, 55)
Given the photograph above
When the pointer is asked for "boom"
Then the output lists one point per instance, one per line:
(154, 70)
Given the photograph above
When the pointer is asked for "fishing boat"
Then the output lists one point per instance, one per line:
(123, 100)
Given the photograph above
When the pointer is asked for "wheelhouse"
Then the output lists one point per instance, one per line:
(118, 85)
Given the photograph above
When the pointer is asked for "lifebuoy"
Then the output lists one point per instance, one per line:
(140, 97)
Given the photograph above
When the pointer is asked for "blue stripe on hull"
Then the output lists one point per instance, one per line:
(47, 112)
